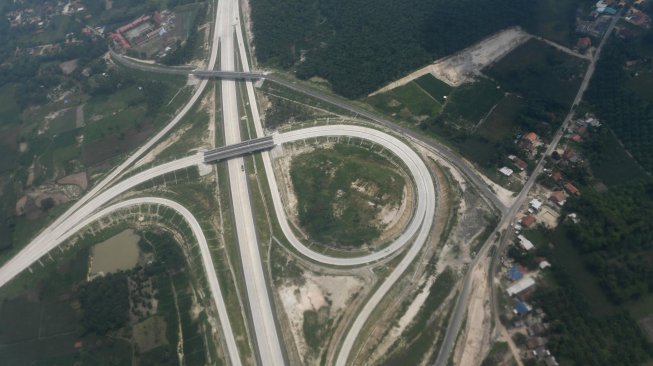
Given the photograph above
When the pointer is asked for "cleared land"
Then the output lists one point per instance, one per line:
(465, 65)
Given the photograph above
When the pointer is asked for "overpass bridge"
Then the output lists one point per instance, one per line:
(239, 149)
(219, 74)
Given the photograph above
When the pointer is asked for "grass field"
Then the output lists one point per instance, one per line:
(340, 192)
(436, 88)
(413, 101)
(502, 121)
(538, 71)
(471, 102)
(417, 100)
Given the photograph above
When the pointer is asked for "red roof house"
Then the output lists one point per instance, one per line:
(528, 221)
(571, 189)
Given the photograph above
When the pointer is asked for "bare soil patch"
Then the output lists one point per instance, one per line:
(465, 65)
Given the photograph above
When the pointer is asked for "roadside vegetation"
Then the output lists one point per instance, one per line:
(341, 191)
(418, 338)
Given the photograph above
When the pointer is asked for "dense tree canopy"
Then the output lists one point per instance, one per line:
(627, 113)
(105, 303)
(615, 236)
(360, 45)
(579, 337)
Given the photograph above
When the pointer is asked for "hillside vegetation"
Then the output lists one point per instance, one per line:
(359, 45)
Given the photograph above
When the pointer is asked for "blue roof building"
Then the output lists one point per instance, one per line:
(522, 308)
(514, 274)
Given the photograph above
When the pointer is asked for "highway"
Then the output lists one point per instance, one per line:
(48, 233)
(424, 200)
(267, 342)
(422, 219)
(509, 215)
(442, 150)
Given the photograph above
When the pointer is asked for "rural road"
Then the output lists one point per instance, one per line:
(461, 303)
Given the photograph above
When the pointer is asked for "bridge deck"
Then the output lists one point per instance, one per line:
(241, 148)
(227, 74)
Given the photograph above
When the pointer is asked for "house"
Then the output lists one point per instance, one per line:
(530, 137)
(584, 43)
(577, 138)
(519, 163)
(573, 217)
(506, 171)
(521, 285)
(571, 189)
(521, 308)
(528, 141)
(78, 345)
(544, 264)
(525, 243)
(556, 176)
(571, 155)
(558, 197)
(514, 274)
(527, 221)
(535, 204)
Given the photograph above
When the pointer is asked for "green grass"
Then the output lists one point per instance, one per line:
(540, 72)
(412, 101)
(417, 100)
(471, 102)
(502, 121)
(330, 209)
(436, 88)
(64, 122)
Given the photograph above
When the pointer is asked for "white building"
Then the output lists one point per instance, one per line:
(521, 285)
(506, 171)
(535, 204)
(525, 243)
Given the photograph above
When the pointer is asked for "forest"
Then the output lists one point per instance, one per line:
(614, 237)
(629, 114)
(358, 45)
(105, 303)
(578, 337)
